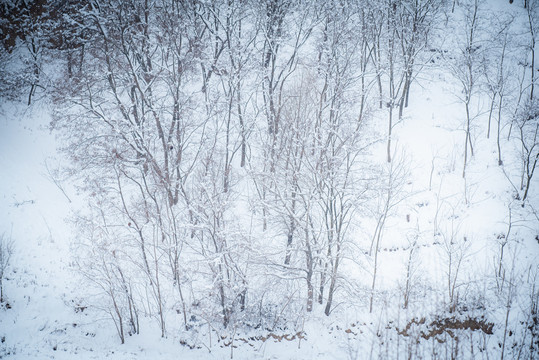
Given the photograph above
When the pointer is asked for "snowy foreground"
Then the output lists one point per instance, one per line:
(264, 228)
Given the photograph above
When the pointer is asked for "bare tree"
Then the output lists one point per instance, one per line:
(399, 35)
(455, 248)
(466, 70)
(528, 125)
(239, 40)
(277, 65)
(415, 22)
(396, 74)
(390, 196)
(412, 269)
(496, 74)
(532, 12)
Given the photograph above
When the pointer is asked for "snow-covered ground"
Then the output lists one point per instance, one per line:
(446, 230)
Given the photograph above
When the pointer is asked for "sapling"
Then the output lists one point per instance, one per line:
(455, 249)
(465, 70)
(411, 269)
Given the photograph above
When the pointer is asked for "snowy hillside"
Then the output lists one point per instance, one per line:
(269, 179)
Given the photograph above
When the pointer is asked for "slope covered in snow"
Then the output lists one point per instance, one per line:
(273, 230)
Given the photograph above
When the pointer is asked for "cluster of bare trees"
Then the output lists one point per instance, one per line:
(228, 142)
(225, 145)
(494, 58)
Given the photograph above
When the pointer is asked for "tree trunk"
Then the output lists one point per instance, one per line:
(500, 162)
(467, 140)
(333, 282)
(390, 128)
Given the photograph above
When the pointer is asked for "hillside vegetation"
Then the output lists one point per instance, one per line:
(269, 179)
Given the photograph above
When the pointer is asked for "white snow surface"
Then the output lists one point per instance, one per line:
(47, 318)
